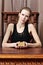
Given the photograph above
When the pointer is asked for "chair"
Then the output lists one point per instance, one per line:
(12, 17)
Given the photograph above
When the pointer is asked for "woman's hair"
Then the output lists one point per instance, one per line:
(28, 9)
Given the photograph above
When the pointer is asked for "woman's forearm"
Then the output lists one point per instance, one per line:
(34, 45)
(8, 44)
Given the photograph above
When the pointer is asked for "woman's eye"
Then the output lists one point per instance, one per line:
(23, 14)
(27, 16)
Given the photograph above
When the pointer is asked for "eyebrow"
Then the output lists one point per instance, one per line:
(26, 15)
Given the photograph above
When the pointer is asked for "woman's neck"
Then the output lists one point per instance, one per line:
(20, 24)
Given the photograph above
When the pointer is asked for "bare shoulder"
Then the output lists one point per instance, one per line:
(11, 24)
(10, 27)
(30, 25)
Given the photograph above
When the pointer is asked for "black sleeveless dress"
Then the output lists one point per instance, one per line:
(24, 36)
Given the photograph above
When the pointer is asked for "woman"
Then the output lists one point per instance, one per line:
(22, 32)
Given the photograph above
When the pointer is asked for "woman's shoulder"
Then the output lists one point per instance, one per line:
(30, 25)
(11, 24)
(10, 27)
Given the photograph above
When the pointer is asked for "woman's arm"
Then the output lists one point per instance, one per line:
(6, 37)
(32, 29)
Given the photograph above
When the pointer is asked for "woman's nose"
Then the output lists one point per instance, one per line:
(24, 17)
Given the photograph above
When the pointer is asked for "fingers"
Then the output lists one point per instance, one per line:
(16, 44)
(25, 43)
(21, 44)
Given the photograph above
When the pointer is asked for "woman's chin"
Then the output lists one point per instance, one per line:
(23, 22)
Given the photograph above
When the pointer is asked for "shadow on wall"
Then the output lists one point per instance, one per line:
(41, 32)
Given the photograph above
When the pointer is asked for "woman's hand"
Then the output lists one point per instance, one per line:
(26, 44)
(21, 44)
(16, 44)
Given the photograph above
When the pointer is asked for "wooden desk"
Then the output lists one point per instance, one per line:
(28, 56)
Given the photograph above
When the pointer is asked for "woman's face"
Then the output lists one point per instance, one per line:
(24, 16)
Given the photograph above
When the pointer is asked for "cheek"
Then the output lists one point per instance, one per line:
(20, 17)
(27, 19)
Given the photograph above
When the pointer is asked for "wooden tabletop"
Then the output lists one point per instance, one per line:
(21, 53)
